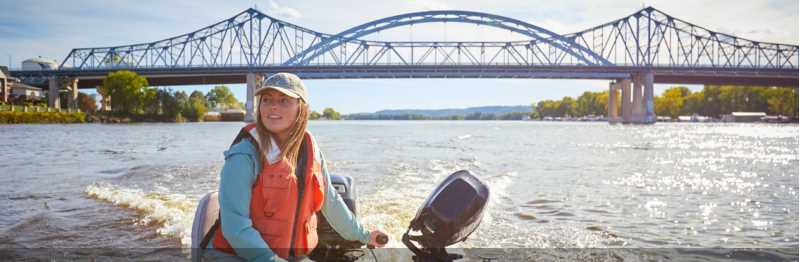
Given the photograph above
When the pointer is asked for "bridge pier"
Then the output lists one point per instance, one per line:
(53, 99)
(253, 82)
(649, 108)
(613, 115)
(72, 97)
(625, 85)
(638, 105)
(54, 92)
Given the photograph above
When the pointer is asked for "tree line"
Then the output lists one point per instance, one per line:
(712, 101)
(327, 113)
(128, 94)
(470, 116)
(715, 101)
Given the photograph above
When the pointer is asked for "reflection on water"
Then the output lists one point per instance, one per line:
(554, 185)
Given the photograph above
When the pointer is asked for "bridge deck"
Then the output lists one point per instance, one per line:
(236, 75)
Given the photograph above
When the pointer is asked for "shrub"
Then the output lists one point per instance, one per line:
(41, 117)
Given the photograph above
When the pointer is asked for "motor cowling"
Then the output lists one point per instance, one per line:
(448, 216)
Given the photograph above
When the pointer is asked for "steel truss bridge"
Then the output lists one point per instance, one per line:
(646, 47)
(675, 50)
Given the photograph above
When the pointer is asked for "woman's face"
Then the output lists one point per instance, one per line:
(278, 111)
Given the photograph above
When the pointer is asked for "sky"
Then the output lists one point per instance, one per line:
(52, 28)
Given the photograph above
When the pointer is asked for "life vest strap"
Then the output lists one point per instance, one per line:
(210, 233)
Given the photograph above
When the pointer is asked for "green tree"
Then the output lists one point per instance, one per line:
(314, 115)
(455, 117)
(670, 102)
(331, 114)
(548, 108)
(585, 104)
(742, 98)
(591, 103)
(195, 108)
(684, 91)
(693, 104)
(182, 101)
(170, 108)
(567, 107)
(534, 115)
(711, 101)
(222, 97)
(512, 116)
(782, 101)
(151, 104)
(480, 116)
(127, 91)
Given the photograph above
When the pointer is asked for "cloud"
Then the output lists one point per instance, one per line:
(276, 9)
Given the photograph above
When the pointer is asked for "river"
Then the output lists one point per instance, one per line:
(554, 184)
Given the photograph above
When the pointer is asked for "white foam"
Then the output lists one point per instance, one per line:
(173, 213)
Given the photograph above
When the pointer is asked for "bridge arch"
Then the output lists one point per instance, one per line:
(562, 43)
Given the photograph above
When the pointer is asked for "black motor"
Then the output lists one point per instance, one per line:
(449, 215)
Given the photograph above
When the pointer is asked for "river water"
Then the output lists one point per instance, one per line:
(553, 185)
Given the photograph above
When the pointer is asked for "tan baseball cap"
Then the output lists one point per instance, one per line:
(286, 83)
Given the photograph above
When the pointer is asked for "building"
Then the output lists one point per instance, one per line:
(39, 63)
(23, 92)
(13, 90)
(744, 117)
(232, 115)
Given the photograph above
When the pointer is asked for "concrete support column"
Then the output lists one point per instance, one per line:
(638, 106)
(54, 100)
(649, 108)
(613, 116)
(72, 98)
(253, 82)
(627, 109)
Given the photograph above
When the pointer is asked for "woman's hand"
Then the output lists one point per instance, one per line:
(377, 238)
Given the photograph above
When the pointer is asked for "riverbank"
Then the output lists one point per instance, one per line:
(42, 117)
(15, 117)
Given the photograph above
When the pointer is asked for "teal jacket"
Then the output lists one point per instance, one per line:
(236, 181)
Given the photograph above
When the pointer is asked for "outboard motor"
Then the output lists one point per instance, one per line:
(449, 215)
(332, 246)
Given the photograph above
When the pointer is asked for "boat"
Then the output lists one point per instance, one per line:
(450, 214)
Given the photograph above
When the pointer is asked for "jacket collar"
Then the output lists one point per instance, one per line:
(274, 151)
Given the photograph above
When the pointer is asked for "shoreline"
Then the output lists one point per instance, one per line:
(92, 119)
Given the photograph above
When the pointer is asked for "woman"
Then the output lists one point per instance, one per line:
(274, 181)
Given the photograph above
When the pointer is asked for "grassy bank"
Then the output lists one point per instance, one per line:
(41, 117)
(120, 118)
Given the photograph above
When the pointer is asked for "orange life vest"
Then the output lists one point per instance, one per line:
(275, 209)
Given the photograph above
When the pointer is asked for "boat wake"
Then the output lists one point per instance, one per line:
(172, 213)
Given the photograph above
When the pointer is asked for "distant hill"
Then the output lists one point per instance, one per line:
(438, 113)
